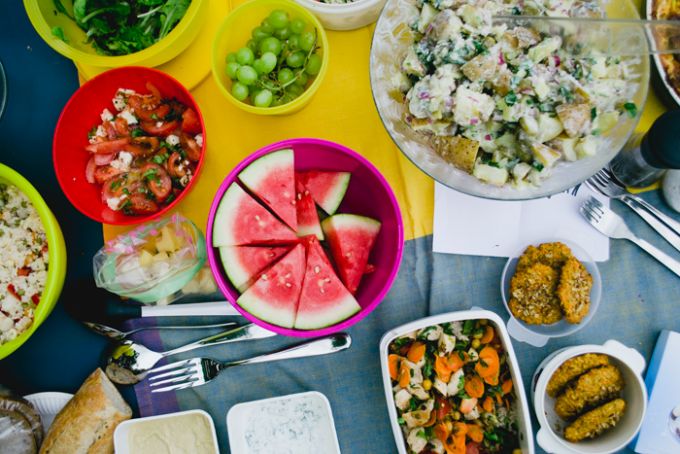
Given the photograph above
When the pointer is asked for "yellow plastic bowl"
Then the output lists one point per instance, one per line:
(57, 257)
(234, 33)
(43, 16)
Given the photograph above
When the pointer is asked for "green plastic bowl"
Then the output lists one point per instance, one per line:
(57, 257)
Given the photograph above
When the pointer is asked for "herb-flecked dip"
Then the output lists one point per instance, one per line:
(453, 390)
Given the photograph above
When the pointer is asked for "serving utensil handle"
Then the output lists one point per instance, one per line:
(670, 235)
(658, 254)
(245, 332)
(669, 221)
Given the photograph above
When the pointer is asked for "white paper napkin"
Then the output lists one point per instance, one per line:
(473, 226)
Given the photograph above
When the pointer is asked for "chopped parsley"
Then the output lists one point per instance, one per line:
(631, 108)
(510, 98)
(593, 113)
(537, 165)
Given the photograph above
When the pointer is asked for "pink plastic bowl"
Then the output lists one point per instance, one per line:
(368, 194)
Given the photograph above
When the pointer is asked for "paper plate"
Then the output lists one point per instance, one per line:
(48, 405)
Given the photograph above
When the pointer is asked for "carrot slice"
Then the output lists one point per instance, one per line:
(457, 446)
(433, 419)
(488, 336)
(489, 363)
(442, 369)
(491, 380)
(475, 433)
(441, 432)
(393, 365)
(474, 386)
(404, 375)
(467, 405)
(488, 404)
(454, 362)
(416, 352)
(507, 386)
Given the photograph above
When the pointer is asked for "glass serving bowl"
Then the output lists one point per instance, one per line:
(392, 39)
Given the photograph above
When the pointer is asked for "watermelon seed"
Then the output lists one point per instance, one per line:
(288, 284)
(322, 290)
(299, 196)
(257, 218)
(264, 277)
(317, 269)
(328, 280)
(287, 275)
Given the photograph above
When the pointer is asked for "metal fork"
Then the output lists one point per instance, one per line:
(199, 371)
(611, 225)
(606, 183)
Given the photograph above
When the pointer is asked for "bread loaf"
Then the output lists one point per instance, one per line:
(87, 422)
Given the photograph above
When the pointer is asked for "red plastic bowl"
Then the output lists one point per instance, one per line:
(82, 112)
(368, 194)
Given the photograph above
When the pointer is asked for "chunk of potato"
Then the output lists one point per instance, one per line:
(575, 118)
(544, 154)
(548, 127)
(492, 175)
(542, 50)
(459, 151)
(412, 64)
(525, 37)
(606, 121)
(565, 145)
(586, 147)
(482, 67)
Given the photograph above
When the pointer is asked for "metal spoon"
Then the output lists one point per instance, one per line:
(118, 335)
(127, 362)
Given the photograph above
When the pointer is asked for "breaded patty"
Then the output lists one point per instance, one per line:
(532, 295)
(594, 422)
(573, 291)
(553, 255)
(590, 389)
(572, 368)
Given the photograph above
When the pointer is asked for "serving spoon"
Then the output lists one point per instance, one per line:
(128, 362)
(118, 335)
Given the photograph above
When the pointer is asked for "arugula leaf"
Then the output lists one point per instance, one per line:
(59, 33)
(172, 12)
(61, 8)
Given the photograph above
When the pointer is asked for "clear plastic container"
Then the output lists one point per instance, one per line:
(153, 262)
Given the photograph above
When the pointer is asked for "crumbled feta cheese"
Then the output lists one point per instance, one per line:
(122, 162)
(159, 124)
(172, 140)
(115, 202)
(119, 102)
(127, 116)
(199, 139)
(106, 115)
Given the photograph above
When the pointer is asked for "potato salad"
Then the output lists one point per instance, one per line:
(507, 103)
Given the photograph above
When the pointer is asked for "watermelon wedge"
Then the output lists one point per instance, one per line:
(307, 217)
(243, 263)
(324, 301)
(272, 179)
(327, 188)
(241, 220)
(351, 238)
(274, 296)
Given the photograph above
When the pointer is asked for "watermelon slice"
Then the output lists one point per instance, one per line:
(272, 179)
(351, 239)
(307, 217)
(243, 263)
(274, 296)
(241, 220)
(327, 188)
(324, 301)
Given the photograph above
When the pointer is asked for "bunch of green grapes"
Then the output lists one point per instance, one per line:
(277, 63)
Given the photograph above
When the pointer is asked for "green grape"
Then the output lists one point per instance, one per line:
(252, 45)
(231, 57)
(285, 76)
(278, 18)
(232, 67)
(286, 98)
(259, 34)
(276, 102)
(239, 91)
(266, 26)
(259, 67)
(282, 33)
(295, 90)
(263, 99)
(269, 62)
(246, 75)
(295, 59)
(245, 56)
(297, 25)
(302, 80)
(270, 44)
(313, 65)
(307, 40)
(294, 42)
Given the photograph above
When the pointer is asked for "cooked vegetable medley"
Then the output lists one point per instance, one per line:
(507, 104)
(453, 390)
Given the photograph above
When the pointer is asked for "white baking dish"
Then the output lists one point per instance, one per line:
(630, 362)
(121, 435)
(525, 431)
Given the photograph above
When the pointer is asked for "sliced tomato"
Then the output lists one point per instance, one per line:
(24, 271)
(158, 180)
(155, 94)
(13, 291)
(102, 159)
(442, 407)
(121, 126)
(472, 448)
(190, 147)
(150, 144)
(159, 128)
(140, 204)
(89, 170)
(110, 130)
(174, 165)
(150, 114)
(190, 122)
(35, 298)
(109, 146)
(104, 173)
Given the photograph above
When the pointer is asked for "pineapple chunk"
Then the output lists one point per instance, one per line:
(490, 174)
(542, 50)
(145, 259)
(586, 147)
(567, 146)
(544, 154)
(161, 257)
(168, 241)
(459, 151)
(548, 127)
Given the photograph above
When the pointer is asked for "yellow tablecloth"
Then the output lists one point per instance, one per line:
(342, 111)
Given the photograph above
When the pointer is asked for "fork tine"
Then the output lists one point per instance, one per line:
(174, 365)
(190, 384)
(601, 180)
(595, 213)
(181, 379)
(594, 186)
(179, 371)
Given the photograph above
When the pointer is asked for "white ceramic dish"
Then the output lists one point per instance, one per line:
(526, 441)
(48, 404)
(247, 423)
(630, 362)
(121, 435)
(345, 16)
(649, 4)
(539, 335)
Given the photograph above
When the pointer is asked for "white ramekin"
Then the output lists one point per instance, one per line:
(345, 16)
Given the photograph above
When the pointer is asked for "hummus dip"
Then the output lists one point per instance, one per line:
(186, 433)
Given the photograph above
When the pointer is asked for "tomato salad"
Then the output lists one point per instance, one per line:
(145, 154)
(453, 390)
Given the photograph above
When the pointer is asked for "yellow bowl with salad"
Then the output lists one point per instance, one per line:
(101, 33)
(49, 291)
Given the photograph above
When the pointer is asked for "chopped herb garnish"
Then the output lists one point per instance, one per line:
(510, 98)
(537, 165)
(593, 113)
(631, 108)
(137, 132)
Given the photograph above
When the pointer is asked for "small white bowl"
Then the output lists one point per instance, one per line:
(526, 434)
(345, 16)
(539, 335)
(121, 442)
(631, 364)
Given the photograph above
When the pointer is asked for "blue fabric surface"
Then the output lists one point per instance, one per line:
(640, 298)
